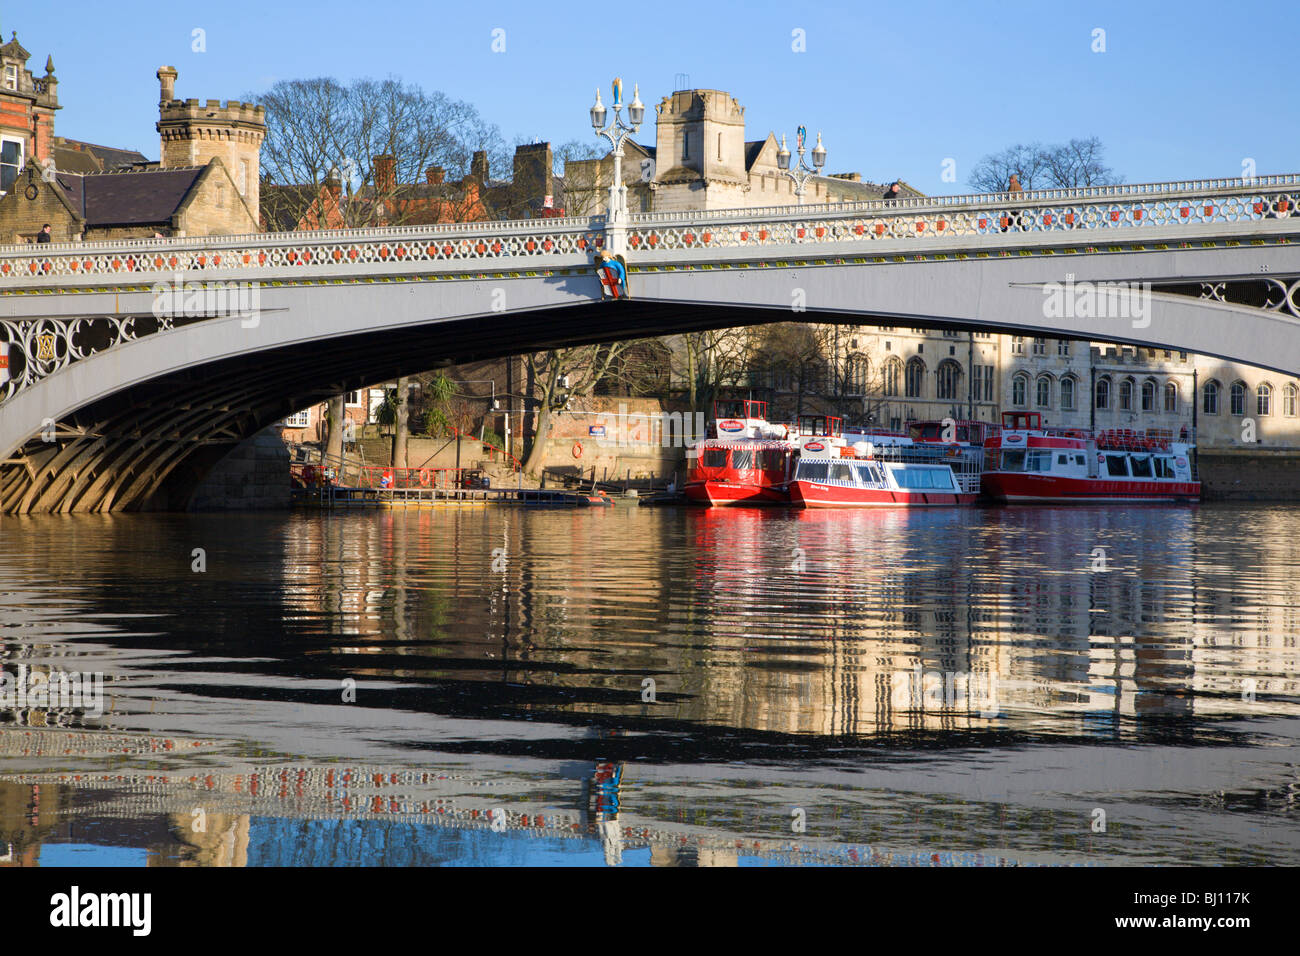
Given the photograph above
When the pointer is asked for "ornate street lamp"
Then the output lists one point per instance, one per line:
(617, 133)
(803, 172)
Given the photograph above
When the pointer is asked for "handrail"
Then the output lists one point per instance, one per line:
(459, 434)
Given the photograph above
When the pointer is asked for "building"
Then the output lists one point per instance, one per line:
(205, 183)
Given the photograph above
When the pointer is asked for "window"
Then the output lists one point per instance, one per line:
(354, 398)
(1038, 459)
(811, 471)
(1019, 390)
(715, 458)
(891, 376)
(11, 162)
(1063, 347)
(1171, 398)
(297, 420)
(1117, 466)
(1141, 466)
(855, 375)
(1043, 392)
(1126, 395)
(1148, 396)
(982, 382)
(949, 380)
(1289, 400)
(1067, 394)
(11, 76)
(1018, 345)
(1264, 399)
(1040, 346)
(243, 177)
(686, 146)
(1013, 461)
(742, 459)
(841, 471)
(1164, 468)
(1102, 398)
(914, 378)
(719, 146)
(950, 333)
(1210, 398)
(1238, 398)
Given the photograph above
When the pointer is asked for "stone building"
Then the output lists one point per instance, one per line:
(206, 182)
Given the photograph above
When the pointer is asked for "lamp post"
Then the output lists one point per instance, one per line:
(617, 133)
(803, 172)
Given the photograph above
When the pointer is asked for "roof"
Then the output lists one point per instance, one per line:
(76, 156)
(751, 152)
(145, 197)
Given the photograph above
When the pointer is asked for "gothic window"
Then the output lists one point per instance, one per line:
(1210, 398)
(1289, 400)
(949, 380)
(1148, 396)
(1264, 399)
(891, 376)
(914, 378)
(1067, 394)
(1126, 395)
(855, 375)
(1238, 398)
(1102, 398)
(1020, 390)
(1171, 398)
(1043, 392)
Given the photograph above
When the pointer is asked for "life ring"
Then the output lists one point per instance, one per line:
(424, 477)
(577, 449)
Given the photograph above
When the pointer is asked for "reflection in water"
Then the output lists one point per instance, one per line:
(642, 686)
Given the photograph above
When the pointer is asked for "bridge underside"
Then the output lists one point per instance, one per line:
(149, 446)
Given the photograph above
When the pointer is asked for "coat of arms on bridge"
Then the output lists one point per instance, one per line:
(45, 347)
(612, 271)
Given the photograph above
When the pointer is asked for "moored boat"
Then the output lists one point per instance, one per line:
(747, 460)
(854, 477)
(1027, 462)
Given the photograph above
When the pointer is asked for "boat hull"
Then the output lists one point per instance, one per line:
(1048, 489)
(719, 494)
(810, 494)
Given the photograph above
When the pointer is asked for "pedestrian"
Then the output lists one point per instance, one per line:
(894, 191)
(1013, 186)
(44, 234)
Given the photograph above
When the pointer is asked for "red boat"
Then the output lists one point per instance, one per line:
(1030, 463)
(746, 461)
(856, 478)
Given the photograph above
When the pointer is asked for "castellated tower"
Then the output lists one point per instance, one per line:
(192, 135)
(700, 159)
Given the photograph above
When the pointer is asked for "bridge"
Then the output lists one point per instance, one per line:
(128, 368)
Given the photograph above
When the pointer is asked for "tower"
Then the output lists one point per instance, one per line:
(191, 135)
(700, 144)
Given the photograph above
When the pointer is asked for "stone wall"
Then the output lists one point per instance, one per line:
(253, 477)
(1249, 475)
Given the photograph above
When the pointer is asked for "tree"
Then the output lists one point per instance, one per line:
(1063, 166)
(578, 166)
(558, 375)
(320, 131)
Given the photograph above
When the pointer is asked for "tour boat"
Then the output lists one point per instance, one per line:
(855, 477)
(1028, 463)
(750, 461)
(956, 443)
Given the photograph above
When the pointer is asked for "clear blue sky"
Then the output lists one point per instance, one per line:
(1183, 90)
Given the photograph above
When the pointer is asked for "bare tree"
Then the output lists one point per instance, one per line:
(558, 376)
(578, 166)
(1063, 166)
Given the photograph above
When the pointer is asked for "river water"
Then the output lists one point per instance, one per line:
(642, 686)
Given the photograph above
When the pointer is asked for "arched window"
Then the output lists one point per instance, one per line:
(1126, 395)
(914, 378)
(892, 369)
(1020, 390)
(1148, 396)
(1289, 396)
(1102, 398)
(1171, 398)
(855, 375)
(1043, 391)
(1238, 398)
(1210, 398)
(1264, 399)
(949, 380)
(1067, 394)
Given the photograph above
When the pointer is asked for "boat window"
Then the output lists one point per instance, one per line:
(1164, 467)
(1080, 460)
(842, 472)
(812, 470)
(1117, 466)
(772, 459)
(1013, 460)
(1141, 466)
(867, 474)
(1038, 460)
(1062, 459)
(742, 459)
(715, 458)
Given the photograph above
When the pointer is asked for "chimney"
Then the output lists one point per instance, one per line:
(435, 175)
(478, 166)
(385, 174)
(534, 166)
(167, 83)
(335, 186)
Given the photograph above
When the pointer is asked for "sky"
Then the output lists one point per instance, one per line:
(918, 91)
